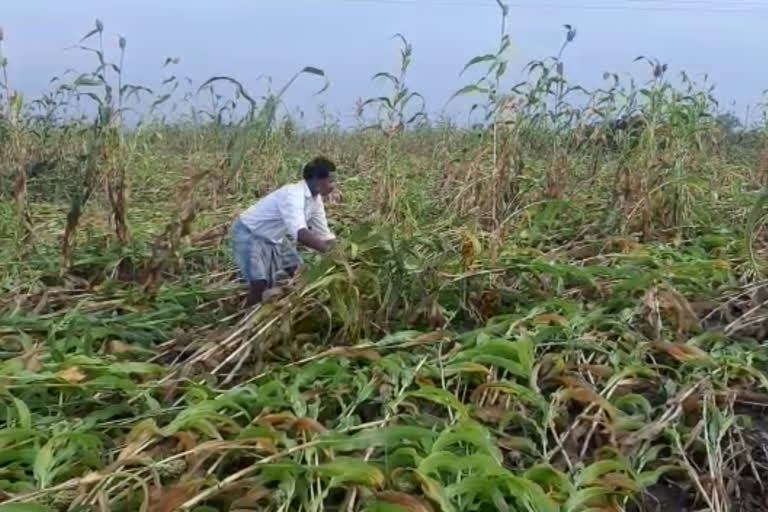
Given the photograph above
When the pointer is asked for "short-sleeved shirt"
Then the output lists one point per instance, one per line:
(286, 211)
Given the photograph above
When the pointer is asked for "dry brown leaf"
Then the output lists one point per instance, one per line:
(619, 481)
(489, 414)
(303, 425)
(692, 404)
(72, 375)
(406, 501)
(91, 478)
(677, 310)
(584, 396)
(30, 360)
(136, 441)
(579, 391)
(187, 441)
(431, 337)
(599, 370)
(280, 420)
(681, 352)
(514, 443)
(551, 319)
(470, 247)
(169, 499)
(263, 444)
(252, 498)
(424, 382)
(626, 246)
(351, 353)
(310, 395)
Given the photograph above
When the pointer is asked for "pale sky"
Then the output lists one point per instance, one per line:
(351, 40)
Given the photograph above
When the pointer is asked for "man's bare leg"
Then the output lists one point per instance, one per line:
(256, 291)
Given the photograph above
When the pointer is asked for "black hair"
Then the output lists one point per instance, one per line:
(319, 168)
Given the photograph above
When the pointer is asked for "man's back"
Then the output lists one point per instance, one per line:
(284, 212)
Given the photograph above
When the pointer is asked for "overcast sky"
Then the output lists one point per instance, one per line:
(351, 40)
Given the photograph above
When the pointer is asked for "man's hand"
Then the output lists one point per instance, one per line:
(311, 240)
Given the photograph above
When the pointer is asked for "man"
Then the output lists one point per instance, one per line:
(265, 236)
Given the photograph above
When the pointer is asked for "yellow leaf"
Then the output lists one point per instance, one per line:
(119, 347)
(549, 319)
(72, 375)
(722, 265)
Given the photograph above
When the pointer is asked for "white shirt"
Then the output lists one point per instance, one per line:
(285, 212)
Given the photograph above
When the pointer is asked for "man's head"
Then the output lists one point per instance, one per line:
(319, 174)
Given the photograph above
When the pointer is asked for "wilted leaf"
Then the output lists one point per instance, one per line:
(120, 347)
(618, 481)
(303, 425)
(433, 490)
(351, 353)
(592, 473)
(169, 499)
(551, 319)
(442, 397)
(406, 501)
(256, 494)
(678, 310)
(683, 353)
(518, 444)
(581, 393)
(137, 438)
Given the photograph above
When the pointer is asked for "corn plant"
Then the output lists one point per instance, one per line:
(395, 115)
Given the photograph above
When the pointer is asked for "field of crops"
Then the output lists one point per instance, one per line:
(559, 309)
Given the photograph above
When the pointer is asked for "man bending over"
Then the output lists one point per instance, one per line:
(265, 236)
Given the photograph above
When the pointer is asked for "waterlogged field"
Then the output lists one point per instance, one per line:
(550, 312)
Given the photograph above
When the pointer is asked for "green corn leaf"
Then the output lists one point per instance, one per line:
(344, 471)
(590, 474)
(10, 436)
(387, 437)
(577, 500)
(23, 507)
(549, 479)
(441, 397)
(469, 433)
(435, 491)
(453, 463)
(23, 415)
(43, 466)
(649, 478)
(478, 60)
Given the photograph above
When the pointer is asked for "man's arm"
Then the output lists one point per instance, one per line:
(318, 223)
(291, 206)
(312, 240)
